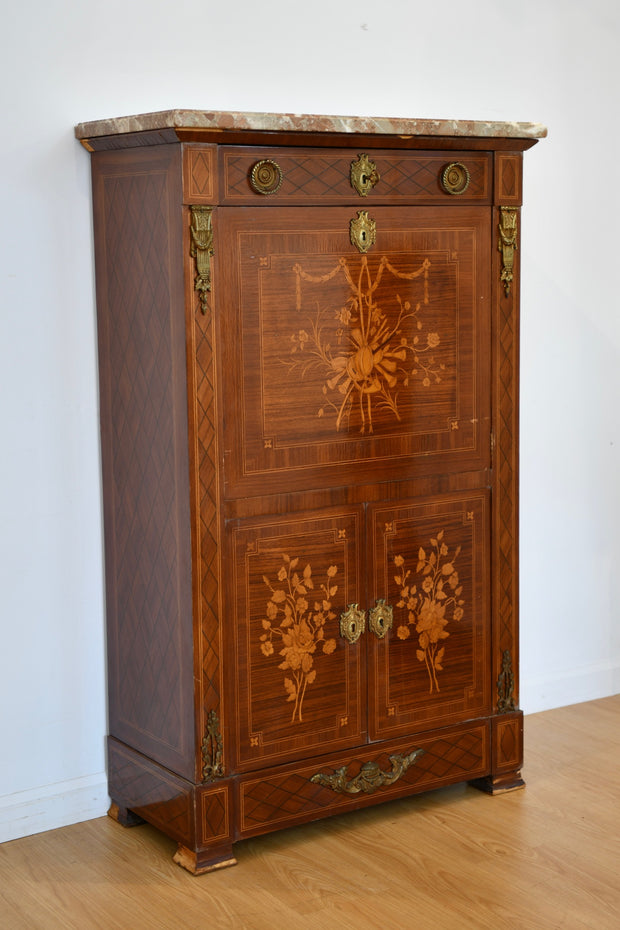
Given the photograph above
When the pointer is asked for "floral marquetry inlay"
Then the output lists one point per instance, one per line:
(430, 603)
(380, 346)
(295, 620)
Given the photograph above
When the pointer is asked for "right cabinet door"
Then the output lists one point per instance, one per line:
(430, 565)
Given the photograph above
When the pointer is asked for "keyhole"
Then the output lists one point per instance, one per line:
(363, 236)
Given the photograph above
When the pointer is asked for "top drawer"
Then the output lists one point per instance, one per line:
(277, 176)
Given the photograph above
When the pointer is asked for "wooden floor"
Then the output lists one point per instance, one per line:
(454, 859)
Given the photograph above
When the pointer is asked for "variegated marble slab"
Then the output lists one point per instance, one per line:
(293, 122)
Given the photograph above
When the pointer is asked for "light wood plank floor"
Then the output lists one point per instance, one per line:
(454, 859)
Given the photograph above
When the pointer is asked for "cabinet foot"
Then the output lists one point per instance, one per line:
(125, 817)
(499, 784)
(200, 862)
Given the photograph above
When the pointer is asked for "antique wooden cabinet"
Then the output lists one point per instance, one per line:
(308, 347)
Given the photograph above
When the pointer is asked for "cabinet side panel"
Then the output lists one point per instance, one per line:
(144, 452)
(505, 517)
(204, 433)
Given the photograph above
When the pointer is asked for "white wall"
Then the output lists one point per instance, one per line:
(64, 61)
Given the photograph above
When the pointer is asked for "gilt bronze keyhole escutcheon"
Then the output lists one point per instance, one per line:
(364, 175)
(352, 623)
(380, 618)
(362, 231)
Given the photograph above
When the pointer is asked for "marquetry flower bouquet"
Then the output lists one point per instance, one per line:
(375, 353)
(430, 603)
(298, 627)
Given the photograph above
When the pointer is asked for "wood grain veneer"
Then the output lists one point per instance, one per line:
(310, 470)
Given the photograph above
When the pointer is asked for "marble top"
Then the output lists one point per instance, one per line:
(295, 122)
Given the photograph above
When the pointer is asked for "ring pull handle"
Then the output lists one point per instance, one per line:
(352, 623)
(266, 176)
(380, 618)
(455, 178)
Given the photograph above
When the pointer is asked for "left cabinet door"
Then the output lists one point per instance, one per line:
(299, 685)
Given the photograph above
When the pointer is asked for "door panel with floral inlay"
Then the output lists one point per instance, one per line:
(431, 565)
(300, 685)
(346, 366)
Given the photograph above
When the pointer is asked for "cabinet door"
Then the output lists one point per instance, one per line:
(431, 566)
(299, 686)
(347, 367)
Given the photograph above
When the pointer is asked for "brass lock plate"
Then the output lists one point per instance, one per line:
(380, 618)
(362, 231)
(352, 623)
(363, 175)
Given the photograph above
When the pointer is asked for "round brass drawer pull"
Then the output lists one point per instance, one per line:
(266, 177)
(455, 178)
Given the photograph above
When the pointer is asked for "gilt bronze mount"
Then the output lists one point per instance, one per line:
(369, 778)
(507, 244)
(202, 251)
(212, 749)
